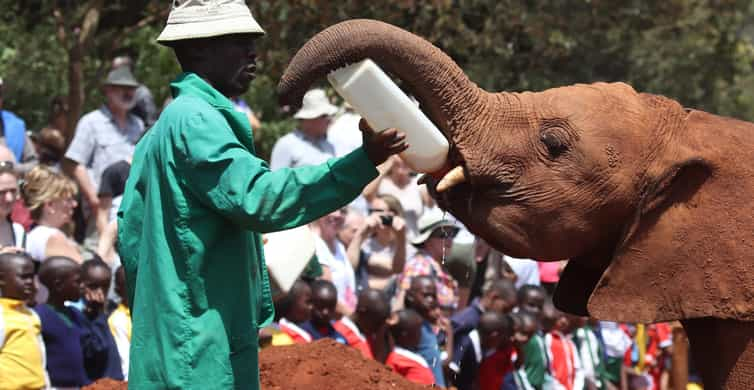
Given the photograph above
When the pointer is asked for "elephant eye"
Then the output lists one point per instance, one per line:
(555, 141)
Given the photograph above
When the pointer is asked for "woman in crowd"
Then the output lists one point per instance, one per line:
(396, 179)
(379, 245)
(50, 198)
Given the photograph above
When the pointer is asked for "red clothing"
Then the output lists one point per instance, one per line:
(562, 354)
(410, 366)
(298, 335)
(353, 336)
(548, 271)
(494, 368)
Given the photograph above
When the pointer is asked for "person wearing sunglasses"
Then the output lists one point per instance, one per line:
(433, 243)
(50, 197)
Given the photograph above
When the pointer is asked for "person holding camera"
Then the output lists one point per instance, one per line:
(379, 245)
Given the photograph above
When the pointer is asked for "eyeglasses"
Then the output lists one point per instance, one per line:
(6, 166)
(444, 233)
(372, 211)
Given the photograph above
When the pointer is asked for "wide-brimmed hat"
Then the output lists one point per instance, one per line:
(315, 104)
(122, 77)
(428, 223)
(191, 19)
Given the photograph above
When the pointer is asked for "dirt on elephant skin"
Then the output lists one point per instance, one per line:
(325, 364)
(107, 384)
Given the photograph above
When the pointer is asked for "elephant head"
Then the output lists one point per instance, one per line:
(651, 202)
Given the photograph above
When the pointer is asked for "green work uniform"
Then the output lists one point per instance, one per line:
(189, 229)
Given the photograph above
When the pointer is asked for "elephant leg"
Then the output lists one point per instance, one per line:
(723, 352)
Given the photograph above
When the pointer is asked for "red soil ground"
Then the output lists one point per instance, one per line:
(324, 364)
(327, 365)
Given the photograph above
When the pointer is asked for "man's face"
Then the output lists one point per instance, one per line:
(97, 278)
(301, 309)
(324, 301)
(8, 193)
(120, 97)
(18, 279)
(532, 302)
(70, 285)
(502, 305)
(232, 63)
(424, 296)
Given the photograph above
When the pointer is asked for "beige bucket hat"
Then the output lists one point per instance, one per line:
(191, 19)
(315, 104)
(428, 223)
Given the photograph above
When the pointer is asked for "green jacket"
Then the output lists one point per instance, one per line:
(535, 363)
(189, 229)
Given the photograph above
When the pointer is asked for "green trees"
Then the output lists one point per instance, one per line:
(698, 52)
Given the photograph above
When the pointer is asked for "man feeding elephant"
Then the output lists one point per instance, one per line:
(197, 200)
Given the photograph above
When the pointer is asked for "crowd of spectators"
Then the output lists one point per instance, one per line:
(392, 275)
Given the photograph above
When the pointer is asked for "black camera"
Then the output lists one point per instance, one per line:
(387, 220)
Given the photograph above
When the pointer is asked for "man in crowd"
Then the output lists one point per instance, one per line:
(13, 135)
(307, 145)
(143, 106)
(103, 137)
(197, 200)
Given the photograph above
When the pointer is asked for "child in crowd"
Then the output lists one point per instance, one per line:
(565, 364)
(295, 308)
(324, 302)
(498, 295)
(589, 350)
(536, 364)
(22, 364)
(368, 330)
(403, 359)
(120, 321)
(531, 298)
(63, 327)
(422, 297)
(524, 327)
(101, 357)
(484, 356)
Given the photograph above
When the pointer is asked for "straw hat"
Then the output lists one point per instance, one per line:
(122, 77)
(428, 223)
(315, 105)
(191, 19)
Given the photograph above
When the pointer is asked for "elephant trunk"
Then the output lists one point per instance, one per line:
(446, 95)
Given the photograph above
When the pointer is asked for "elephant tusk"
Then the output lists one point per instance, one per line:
(453, 178)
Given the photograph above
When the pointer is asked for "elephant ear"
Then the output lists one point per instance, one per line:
(686, 254)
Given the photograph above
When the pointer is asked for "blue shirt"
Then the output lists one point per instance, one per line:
(318, 333)
(429, 349)
(62, 333)
(99, 142)
(466, 320)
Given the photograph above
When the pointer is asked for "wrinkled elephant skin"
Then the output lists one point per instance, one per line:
(651, 202)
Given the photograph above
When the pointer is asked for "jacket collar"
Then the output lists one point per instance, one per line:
(193, 85)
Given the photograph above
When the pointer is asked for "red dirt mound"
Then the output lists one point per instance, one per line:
(107, 384)
(325, 364)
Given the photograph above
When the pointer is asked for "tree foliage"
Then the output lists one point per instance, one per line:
(696, 51)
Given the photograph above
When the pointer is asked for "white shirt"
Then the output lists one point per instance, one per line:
(526, 270)
(296, 149)
(344, 133)
(342, 273)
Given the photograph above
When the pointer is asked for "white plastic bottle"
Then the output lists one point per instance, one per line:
(379, 100)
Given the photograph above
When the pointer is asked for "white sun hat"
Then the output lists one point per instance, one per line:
(191, 19)
(315, 104)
